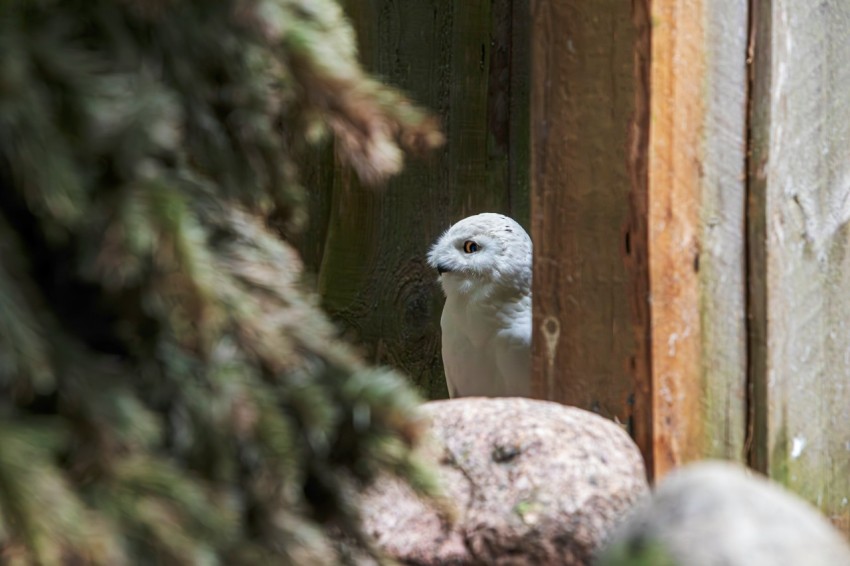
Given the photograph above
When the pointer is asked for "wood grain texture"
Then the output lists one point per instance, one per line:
(721, 260)
(758, 132)
(459, 59)
(675, 158)
(636, 235)
(801, 174)
(583, 101)
(696, 196)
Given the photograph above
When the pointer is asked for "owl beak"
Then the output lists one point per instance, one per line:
(442, 268)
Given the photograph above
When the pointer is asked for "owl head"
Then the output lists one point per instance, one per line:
(483, 250)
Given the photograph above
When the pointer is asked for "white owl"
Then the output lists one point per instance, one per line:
(484, 262)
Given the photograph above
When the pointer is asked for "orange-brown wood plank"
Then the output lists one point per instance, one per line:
(696, 230)
(675, 145)
(697, 188)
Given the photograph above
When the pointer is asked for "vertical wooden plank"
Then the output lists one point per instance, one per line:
(674, 191)
(636, 235)
(721, 260)
(589, 338)
(508, 111)
(801, 168)
(696, 195)
(638, 187)
(373, 279)
(456, 58)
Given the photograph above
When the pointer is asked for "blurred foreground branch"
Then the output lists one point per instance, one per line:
(168, 392)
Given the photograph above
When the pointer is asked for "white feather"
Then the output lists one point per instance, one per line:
(486, 320)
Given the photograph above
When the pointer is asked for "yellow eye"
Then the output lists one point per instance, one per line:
(470, 247)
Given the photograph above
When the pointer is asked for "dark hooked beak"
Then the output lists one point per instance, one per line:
(441, 268)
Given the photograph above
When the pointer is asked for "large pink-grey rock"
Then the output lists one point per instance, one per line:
(532, 482)
(719, 514)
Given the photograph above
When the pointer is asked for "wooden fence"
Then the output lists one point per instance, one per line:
(798, 210)
(727, 239)
(468, 61)
(684, 168)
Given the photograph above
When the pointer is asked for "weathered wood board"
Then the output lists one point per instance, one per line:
(589, 350)
(696, 172)
(675, 157)
(800, 208)
(638, 190)
(466, 61)
(721, 262)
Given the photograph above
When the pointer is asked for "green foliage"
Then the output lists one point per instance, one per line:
(168, 391)
(636, 552)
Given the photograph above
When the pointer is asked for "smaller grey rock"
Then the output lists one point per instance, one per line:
(721, 514)
(533, 482)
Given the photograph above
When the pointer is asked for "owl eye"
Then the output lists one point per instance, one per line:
(470, 247)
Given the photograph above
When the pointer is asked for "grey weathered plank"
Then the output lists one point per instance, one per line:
(722, 248)
(801, 207)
